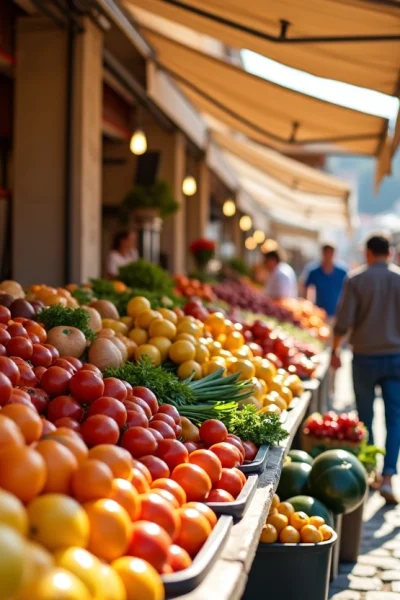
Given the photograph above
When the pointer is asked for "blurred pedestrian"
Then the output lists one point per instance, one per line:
(281, 282)
(123, 252)
(369, 309)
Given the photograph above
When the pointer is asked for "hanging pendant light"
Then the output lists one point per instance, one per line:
(189, 185)
(259, 236)
(250, 243)
(245, 223)
(138, 143)
(229, 208)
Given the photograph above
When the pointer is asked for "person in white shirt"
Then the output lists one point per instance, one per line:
(281, 282)
(123, 252)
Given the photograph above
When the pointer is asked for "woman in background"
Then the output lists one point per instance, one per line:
(123, 252)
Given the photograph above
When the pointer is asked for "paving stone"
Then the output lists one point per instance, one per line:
(392, 544)
(365, 584)
(382, 596)
(346, 595)
(379, 552)
(363, 570)
(396, 553)
(390, 576)
(380, 562)
(396, 586)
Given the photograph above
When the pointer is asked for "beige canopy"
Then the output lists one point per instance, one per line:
(356, 41)
(266, 112)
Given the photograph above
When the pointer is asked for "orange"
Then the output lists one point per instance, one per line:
(194, 480)
(74, 444)
(178, 559)
(27, 419)
(38, 562)
(126, 495)
(310, 535)
(157, 509)
(139, 578)
(289, 535)
(118, 459)
(83, 565)
(110, 529)
(317, 521)
(60, 464)
(171, 486)
(194, 530)
(278, 521)
(208, 461)
(13, 513)
(273, 511)
(204, 510)
(139, 481)
(111, 583)
(22, 472)
(275, 501)
(60, 584)
(269, 534)
(299, 520)
(92, 480)
(326, 532)
(285, 508)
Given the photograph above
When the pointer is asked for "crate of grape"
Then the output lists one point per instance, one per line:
(332, 430)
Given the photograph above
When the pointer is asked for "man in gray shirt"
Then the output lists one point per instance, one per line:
(369, 309)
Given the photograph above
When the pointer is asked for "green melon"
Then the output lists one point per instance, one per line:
(300, 456)
(293, 481)
(312, 507)
(339, 480)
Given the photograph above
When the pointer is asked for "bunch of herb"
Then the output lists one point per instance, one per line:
(147, 276)
(257, 428)
(54, 316)
(83, 295)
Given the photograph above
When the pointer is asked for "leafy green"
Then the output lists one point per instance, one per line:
(158, 196)
(256, 428)
(83, 295)
(54, 316)
(147, 276)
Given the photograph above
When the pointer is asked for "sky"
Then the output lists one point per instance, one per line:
(344, 94)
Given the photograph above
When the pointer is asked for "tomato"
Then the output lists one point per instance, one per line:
(228, 455)
(238, 444)
(157, 435)
(166, 431)
(4, 336)
(18, 396)
(60, 464)
(56, 381)
(54, 352)
(75, 362)
(139, 481)
(149, 542)
(172, 452)
(191, 446)
(110, 527)
(204, 510)
(148, 396)
(143, 469)
(135, 418)
(220, 496)
(178, 558)
(20, 346)
(3, 351)
(99, 429)
(118, 459)
(250, 451)
(157, 467)
(39, 372)
(64, 406)
(194, 480)
(69, 423)
(139, 441)
(115, 388)
(171, 411)
(91, 481)
(27, 376)
(208, 461)
(38, 330)
(86, 386)
(156, 509)
(41, 356)
(90, 367)
(195, 529)
(230, 482)
(47, 427)
(5, 314)
(141, 403)
(64, 364)
(172, 487)
(128, 386)
(5, 389)
(110, 407)
(10, 369)
(166, 419)
(212, 432)
(17, 329)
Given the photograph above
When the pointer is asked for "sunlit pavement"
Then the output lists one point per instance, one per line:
(376, 575)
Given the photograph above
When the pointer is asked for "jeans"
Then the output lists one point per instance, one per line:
(382, 370)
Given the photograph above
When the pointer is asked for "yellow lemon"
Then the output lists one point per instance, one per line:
(13, 513)
(151, 352)
(144, 319)
(163, 344)
(169, 315)
(137, 305)
(189, 368)
(182, 351)
(138, 335)
(162, 328)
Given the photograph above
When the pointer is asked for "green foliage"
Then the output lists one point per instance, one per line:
(239, 266)
(147, 276)
(83, 295)
(54, 316)
(158, 196)
(257, 428)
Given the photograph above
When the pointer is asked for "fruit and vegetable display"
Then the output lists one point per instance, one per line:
(190, 288)
(288, 524)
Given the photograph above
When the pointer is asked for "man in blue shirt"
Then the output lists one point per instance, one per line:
(327, 280)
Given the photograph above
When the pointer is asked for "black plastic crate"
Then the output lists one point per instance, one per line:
(237, 508)
(259, 463)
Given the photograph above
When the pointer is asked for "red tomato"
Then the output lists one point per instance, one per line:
(4, 336)
(178, 558)
(10, 369)
(27, 376)
(64, 364)
(172, 452)
(115, 388)
(157, 467)
(220, 496)
(140, 402)
(111, 407)
(5, 389)
(39, 398)
(20, 346)
(156, 509)
(47, 427)
(157, 435)
(150, 542)
(41, 356)
(18, 396)
(165, 418)
(5, 314)
(75, 362)
(56, 381)
(139, 466)
(69, 423)
(93, 368)
(139, 441)
(86, 386)
(136, 418)
(34, 339)
(38, 330)
(250, 451)
(212, 432)
(166, 431)
(64, 406)
(128, 386)
(228, 455)
(54, 352)
(99, 429)
(39, 372)
(230, 482)
(171, 411)
(233, 441)
(191, 446)
(17, 329)
(148, 396)
(3, 351)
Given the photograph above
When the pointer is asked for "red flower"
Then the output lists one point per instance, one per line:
(201, 245)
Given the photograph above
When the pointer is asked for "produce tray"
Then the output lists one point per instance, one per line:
(293, 403)
(183, 582)
(259, 463)
(284, 416)
(237, 508)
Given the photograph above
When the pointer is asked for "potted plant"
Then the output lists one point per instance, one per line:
(150, 201)
(203, 251)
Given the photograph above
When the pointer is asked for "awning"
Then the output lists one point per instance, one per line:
(356, 41)
(264, 111)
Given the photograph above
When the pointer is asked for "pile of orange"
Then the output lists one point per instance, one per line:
(287, 526)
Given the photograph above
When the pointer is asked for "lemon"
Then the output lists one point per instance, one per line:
(138, 335)
(13, 513)
(182, 351)
(188, 369)
(11, 561)
(245, 368)
(84, 565)
(38, 561)
(61, 585)
(162, 328)
(202, 353)
(144, 318)
(111, 583)
(163, 344)
(137, 305)
(169, 315)
(150, 351)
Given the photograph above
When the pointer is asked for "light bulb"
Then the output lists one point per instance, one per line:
(229, 208)
(259, 236)
(138, 143)
(189, 186)
(245, 223)
(250, 243)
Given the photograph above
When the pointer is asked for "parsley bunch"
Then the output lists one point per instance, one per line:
(54, 316)
(257, 428)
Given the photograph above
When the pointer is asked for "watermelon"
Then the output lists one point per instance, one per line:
(339, 480)
(300, 456)
(312, 507)
(293, 481)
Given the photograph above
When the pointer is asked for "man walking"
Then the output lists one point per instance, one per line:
(281, 282)
(369, 309)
